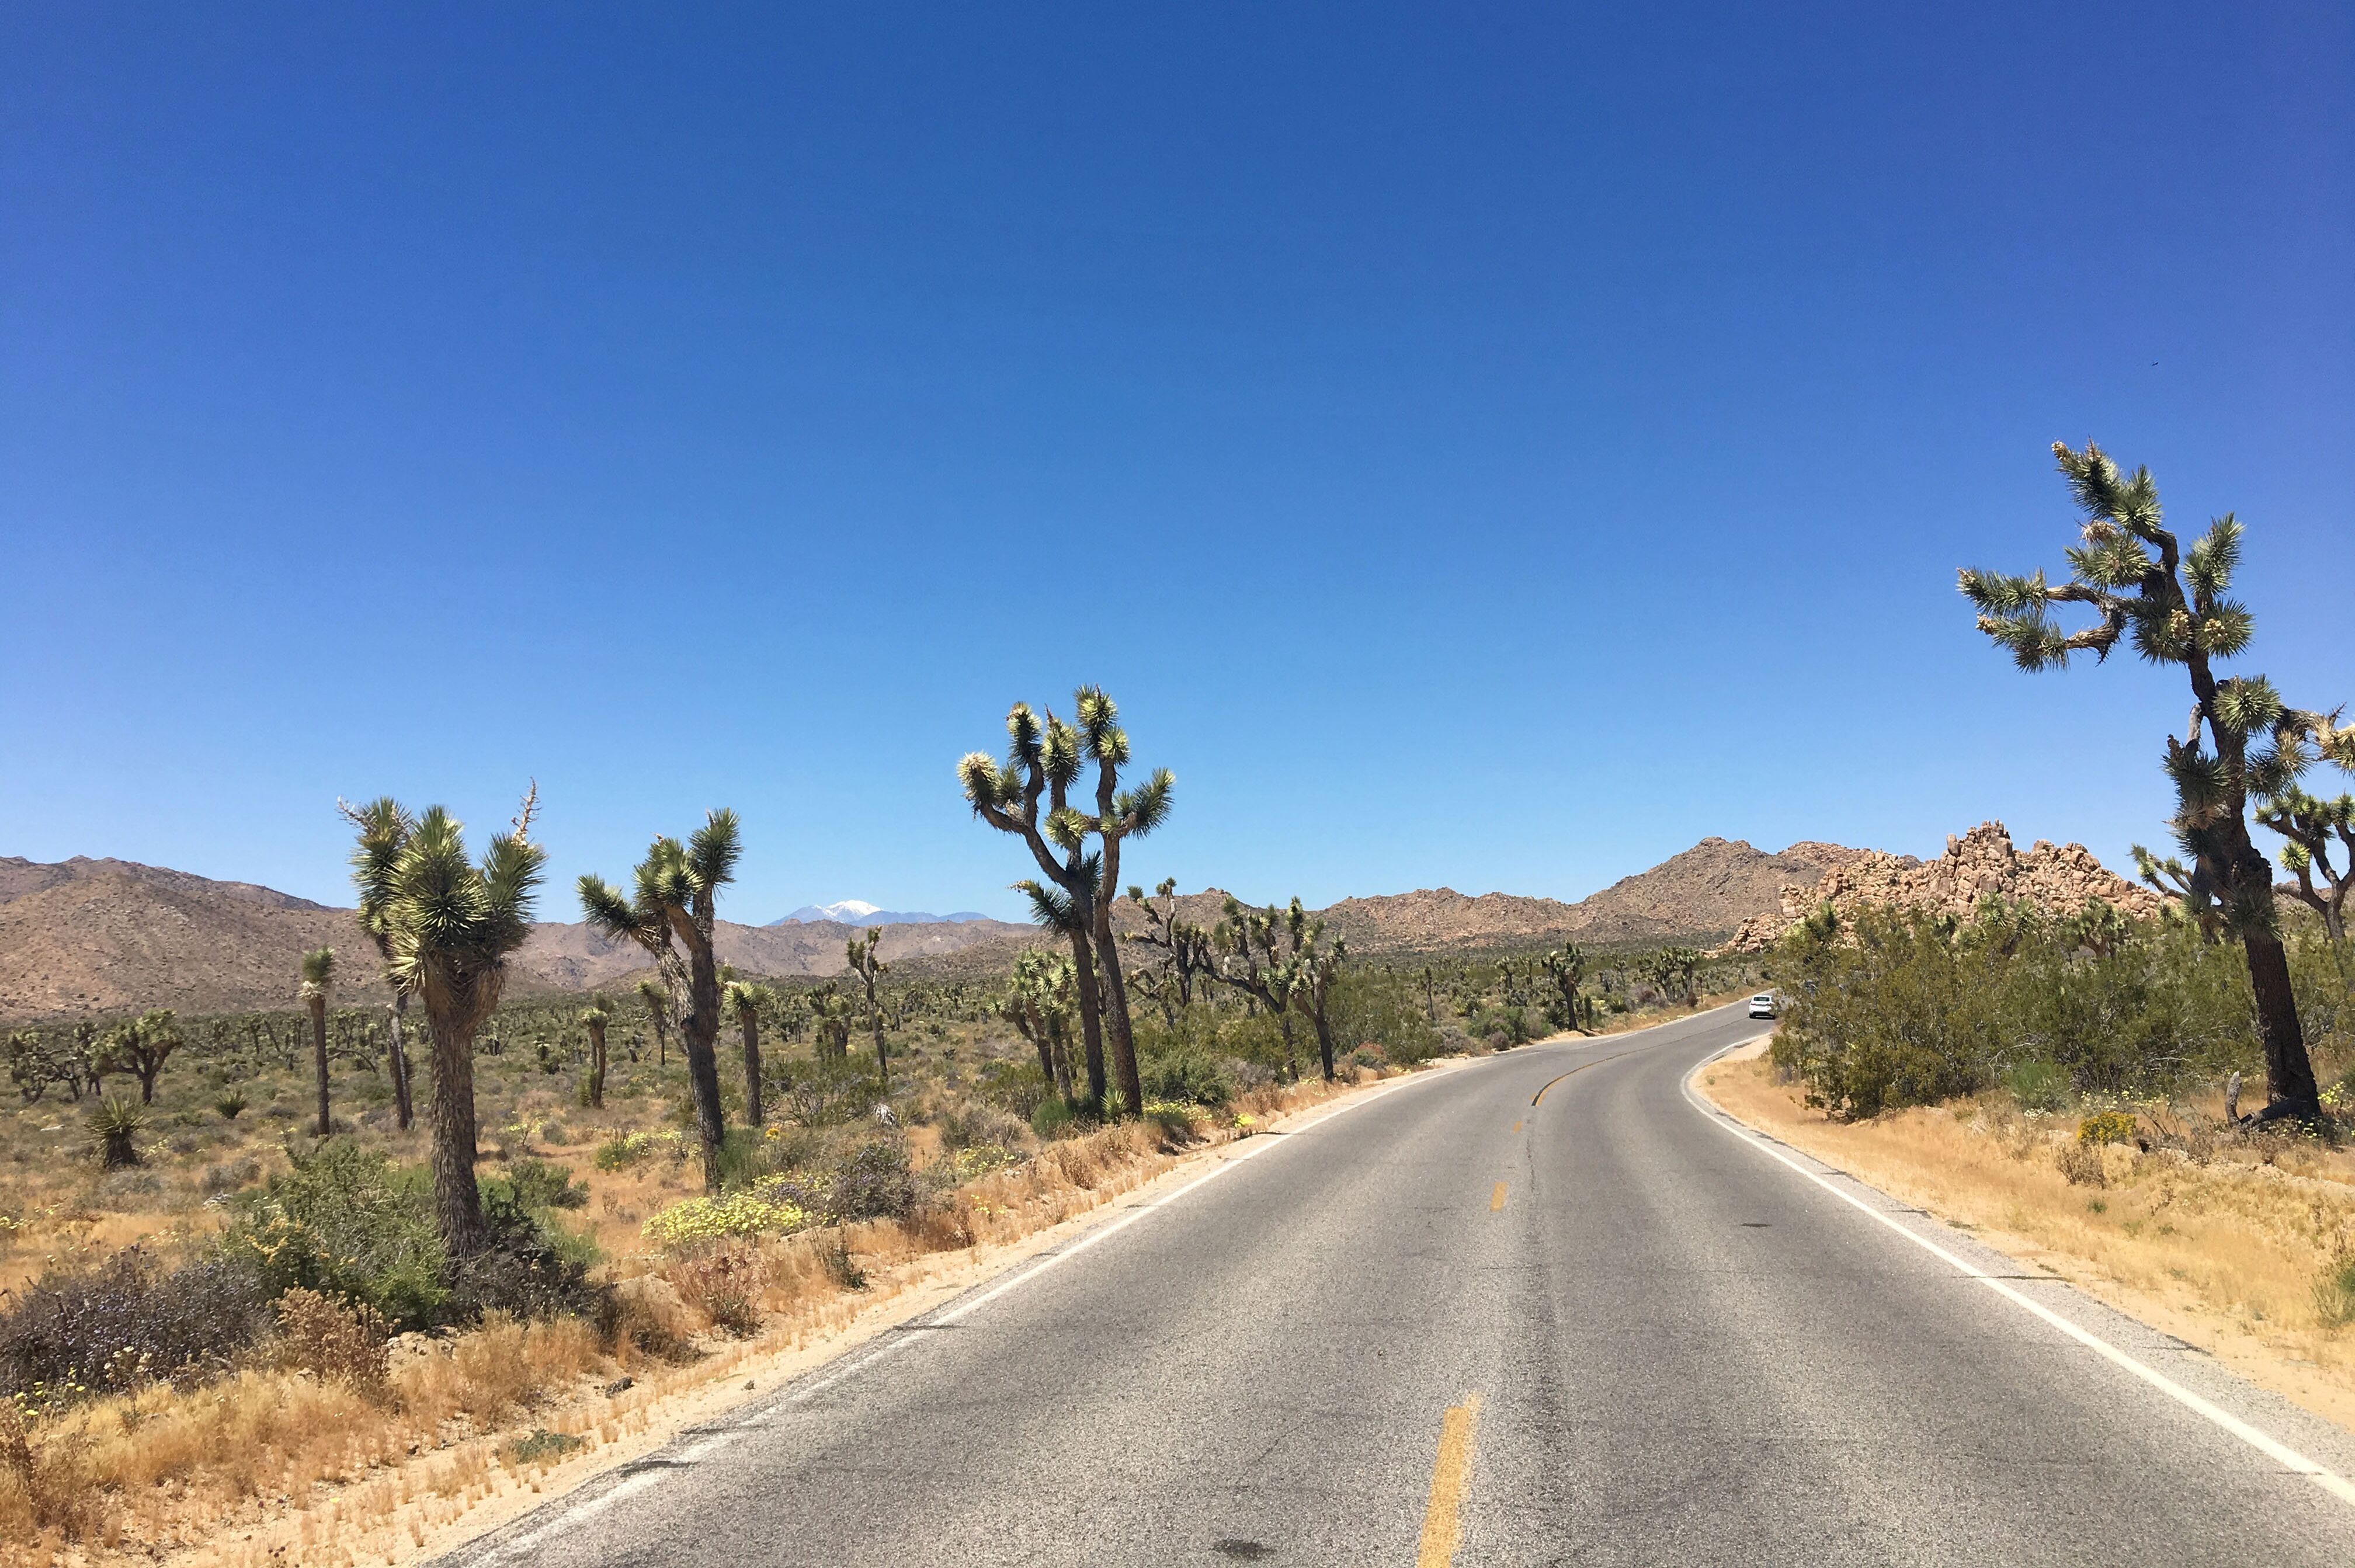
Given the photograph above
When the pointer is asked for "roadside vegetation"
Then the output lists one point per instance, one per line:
(2075, 1081)
(254, 1277)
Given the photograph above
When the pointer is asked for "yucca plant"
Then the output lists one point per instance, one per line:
(671, 913)
(383, 827)
(450, 924)
(114, 1127)
(229, 1106)
(860, 955)
(746, 999)
(596, 1018)
(2174, 606)
(318, 982)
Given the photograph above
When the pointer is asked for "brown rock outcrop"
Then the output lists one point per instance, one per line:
(1981, 863)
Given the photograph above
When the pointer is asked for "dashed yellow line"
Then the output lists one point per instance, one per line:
(1517, 1126)
(1443, 1530)
(1496, 1199)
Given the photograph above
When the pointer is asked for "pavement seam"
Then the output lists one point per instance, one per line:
(2272, 1448)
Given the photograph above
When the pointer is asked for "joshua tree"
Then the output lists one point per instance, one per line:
(864, 964)
(318, 981)
(595, 1017)
(1317, 962)
(383, 827)
(745, 999)
(1568, 969)
(1185, 948)
(1038, 1002)
(674, 905)
(1120, 815)
(830, 1013)
(1673, 970)
(1253, 960)
(657, 1004)
(2174, 606)
(451, 924)
(2309, 825)
(141, 1047)
(1041, 763)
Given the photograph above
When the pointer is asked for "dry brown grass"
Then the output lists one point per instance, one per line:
(333, 1464)
(2222, 1246)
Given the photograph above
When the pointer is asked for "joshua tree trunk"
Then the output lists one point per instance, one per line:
(749, 1020)
(319, 1058)
(1083, 966)
(1323, 1042)
(458, 1202)
(1116, 996)
(403, 1112)
(596, 1065)
(698, 1035)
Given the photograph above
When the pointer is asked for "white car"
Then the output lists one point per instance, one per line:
(1761, 1006)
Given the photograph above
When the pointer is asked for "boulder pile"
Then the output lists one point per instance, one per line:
(2057, 880)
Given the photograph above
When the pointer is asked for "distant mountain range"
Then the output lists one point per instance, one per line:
(109, 936)
(851, 911)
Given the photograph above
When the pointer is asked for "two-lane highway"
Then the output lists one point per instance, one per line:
(1542, 1309)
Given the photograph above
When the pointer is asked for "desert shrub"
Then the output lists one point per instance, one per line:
(976, 1160)
(873, 1183)
(333, 1340)
(344, 1222)
(536, 1184)
(1372, 1007)
(230, 1107)
(1188, 1078)
(1052, 1118)
(2107, 1127)
(2037, 1085)
(1902, 1007)
(529, 1270)
(114, 1127)
(621, 1152)
(693, 1220)
(230, 1174)
(745, 1156)
(978, 1126)
(841, 1267)
(2334, 1294)
(1175, 1118)
(1018, 1088)
(723, 1284)
(127, 1320)
(828, 1094)
(2081, 1163)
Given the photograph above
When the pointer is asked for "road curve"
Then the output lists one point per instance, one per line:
(1597, 1329)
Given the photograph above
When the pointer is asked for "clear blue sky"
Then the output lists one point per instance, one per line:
(1482, 445)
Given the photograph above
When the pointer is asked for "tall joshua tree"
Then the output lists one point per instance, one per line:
(318, 983)
(1568, 969)
(1185, 947)
(596, 1018)
(450, 925)
(1041, 763)
(2239, 740)
(2309, 825)
(383, 827)
(1252, 959)
(141, 1048)
(869, 970)
(1120, 815)
(1318, 963)
(745, 1000)
(1038, 1002)
(671, 913)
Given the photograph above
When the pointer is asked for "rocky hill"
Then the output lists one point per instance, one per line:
(1980, 864)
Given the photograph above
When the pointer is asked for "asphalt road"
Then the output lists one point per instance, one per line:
(1661, 1344)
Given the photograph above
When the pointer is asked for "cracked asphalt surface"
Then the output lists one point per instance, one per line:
(1683, 1352)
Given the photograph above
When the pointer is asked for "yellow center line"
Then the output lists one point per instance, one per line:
(1517, 1126)
(1496, 1199)
(1442, 1530)
(1574, 1072)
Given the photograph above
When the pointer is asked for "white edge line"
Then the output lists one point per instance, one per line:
(2271, 1447)
(509, 1549)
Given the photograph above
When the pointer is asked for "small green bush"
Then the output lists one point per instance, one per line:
(538, 1184)
(698, 1220)
(1053, 1118)
(2037, 1085)
(344, 1221)
(2334, 1294)
(1186, 1077)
